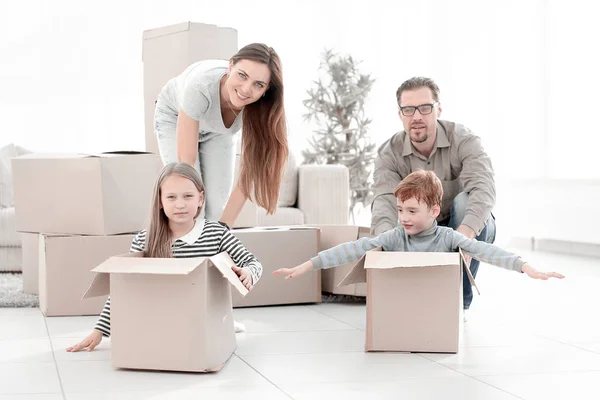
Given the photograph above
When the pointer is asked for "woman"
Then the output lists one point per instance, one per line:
(198, 112)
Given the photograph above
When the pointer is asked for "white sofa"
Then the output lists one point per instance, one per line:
(10, 240)
(309, 194)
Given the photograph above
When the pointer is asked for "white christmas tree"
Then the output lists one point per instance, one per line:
(336, 104)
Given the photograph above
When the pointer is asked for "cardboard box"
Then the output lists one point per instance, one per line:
(281, 247)
(169, 50)
(30, 253)
(79, 194)
(65, 263)
(331, 236)
(171, 314)
(414, 300)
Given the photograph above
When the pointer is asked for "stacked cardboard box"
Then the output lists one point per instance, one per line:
(281, 247)
(167, 51)
(74, 212)
(331, 236)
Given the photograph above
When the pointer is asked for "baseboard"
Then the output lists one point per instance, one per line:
(556, 246)
(567, 247)
(525, 243)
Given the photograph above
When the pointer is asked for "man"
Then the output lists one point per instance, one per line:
(450, 150)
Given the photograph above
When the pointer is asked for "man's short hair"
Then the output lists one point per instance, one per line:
(424, 186)
(418, 82)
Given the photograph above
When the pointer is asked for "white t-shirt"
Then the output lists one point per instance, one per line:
(197, 92)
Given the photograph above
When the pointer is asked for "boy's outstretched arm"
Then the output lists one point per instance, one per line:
(344, 253)
(492, 254)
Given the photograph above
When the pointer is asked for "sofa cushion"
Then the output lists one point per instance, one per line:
(6, 181)
(288, 191)
(10, 259)
(9, 237)
(6, 185)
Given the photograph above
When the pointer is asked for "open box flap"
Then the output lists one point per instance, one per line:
(224, 263)
(358, 273)
(468, 271)
(410, 259)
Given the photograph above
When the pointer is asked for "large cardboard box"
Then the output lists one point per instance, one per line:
(171, 314)
(80, 194)
(65, 263)
(169, 50)
(331, 236)
(414, 300)
(281, 247)
(30, 256)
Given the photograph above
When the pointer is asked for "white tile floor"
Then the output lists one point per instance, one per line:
(524, 339)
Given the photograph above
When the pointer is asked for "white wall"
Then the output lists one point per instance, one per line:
(521, 74)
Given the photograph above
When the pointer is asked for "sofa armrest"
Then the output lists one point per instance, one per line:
(324, 193)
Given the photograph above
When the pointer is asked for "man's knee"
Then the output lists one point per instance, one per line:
(459, 206)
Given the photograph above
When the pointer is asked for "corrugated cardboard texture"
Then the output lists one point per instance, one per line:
(168, 51)
(414, 300)
(171, 322)
(331, 236)
(281, 248)
(84, 195)
(183, 304)
(414, 309)
(64, 274)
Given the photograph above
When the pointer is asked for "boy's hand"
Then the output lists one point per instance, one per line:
(244, 275)
(469, 233)
(296, 271)
(535, 274)
(90, 342)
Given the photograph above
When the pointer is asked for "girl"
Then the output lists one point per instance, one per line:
(176, 232)
(198, 112)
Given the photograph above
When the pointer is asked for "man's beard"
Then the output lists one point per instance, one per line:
(419, 137)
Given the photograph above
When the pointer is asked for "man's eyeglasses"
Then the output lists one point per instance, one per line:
(424, 109)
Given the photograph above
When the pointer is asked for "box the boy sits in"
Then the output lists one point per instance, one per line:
(414, 300)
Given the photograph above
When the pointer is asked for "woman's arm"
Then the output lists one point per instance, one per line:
(234, 206)
(187, 138)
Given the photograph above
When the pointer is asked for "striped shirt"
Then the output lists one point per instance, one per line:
(435, 239)
(206, 239)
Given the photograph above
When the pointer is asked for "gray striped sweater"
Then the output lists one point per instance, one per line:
(214, 239)
(435, 239)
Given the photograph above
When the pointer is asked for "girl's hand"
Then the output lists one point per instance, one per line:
(90, 342)
(244, 275)
(535, 274)
(296, 271)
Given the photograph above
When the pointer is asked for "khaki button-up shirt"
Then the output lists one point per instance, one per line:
(458, 159)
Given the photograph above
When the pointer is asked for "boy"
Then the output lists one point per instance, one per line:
(419, 197)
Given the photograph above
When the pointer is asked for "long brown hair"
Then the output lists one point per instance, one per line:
(160, 237)
(264, 133)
